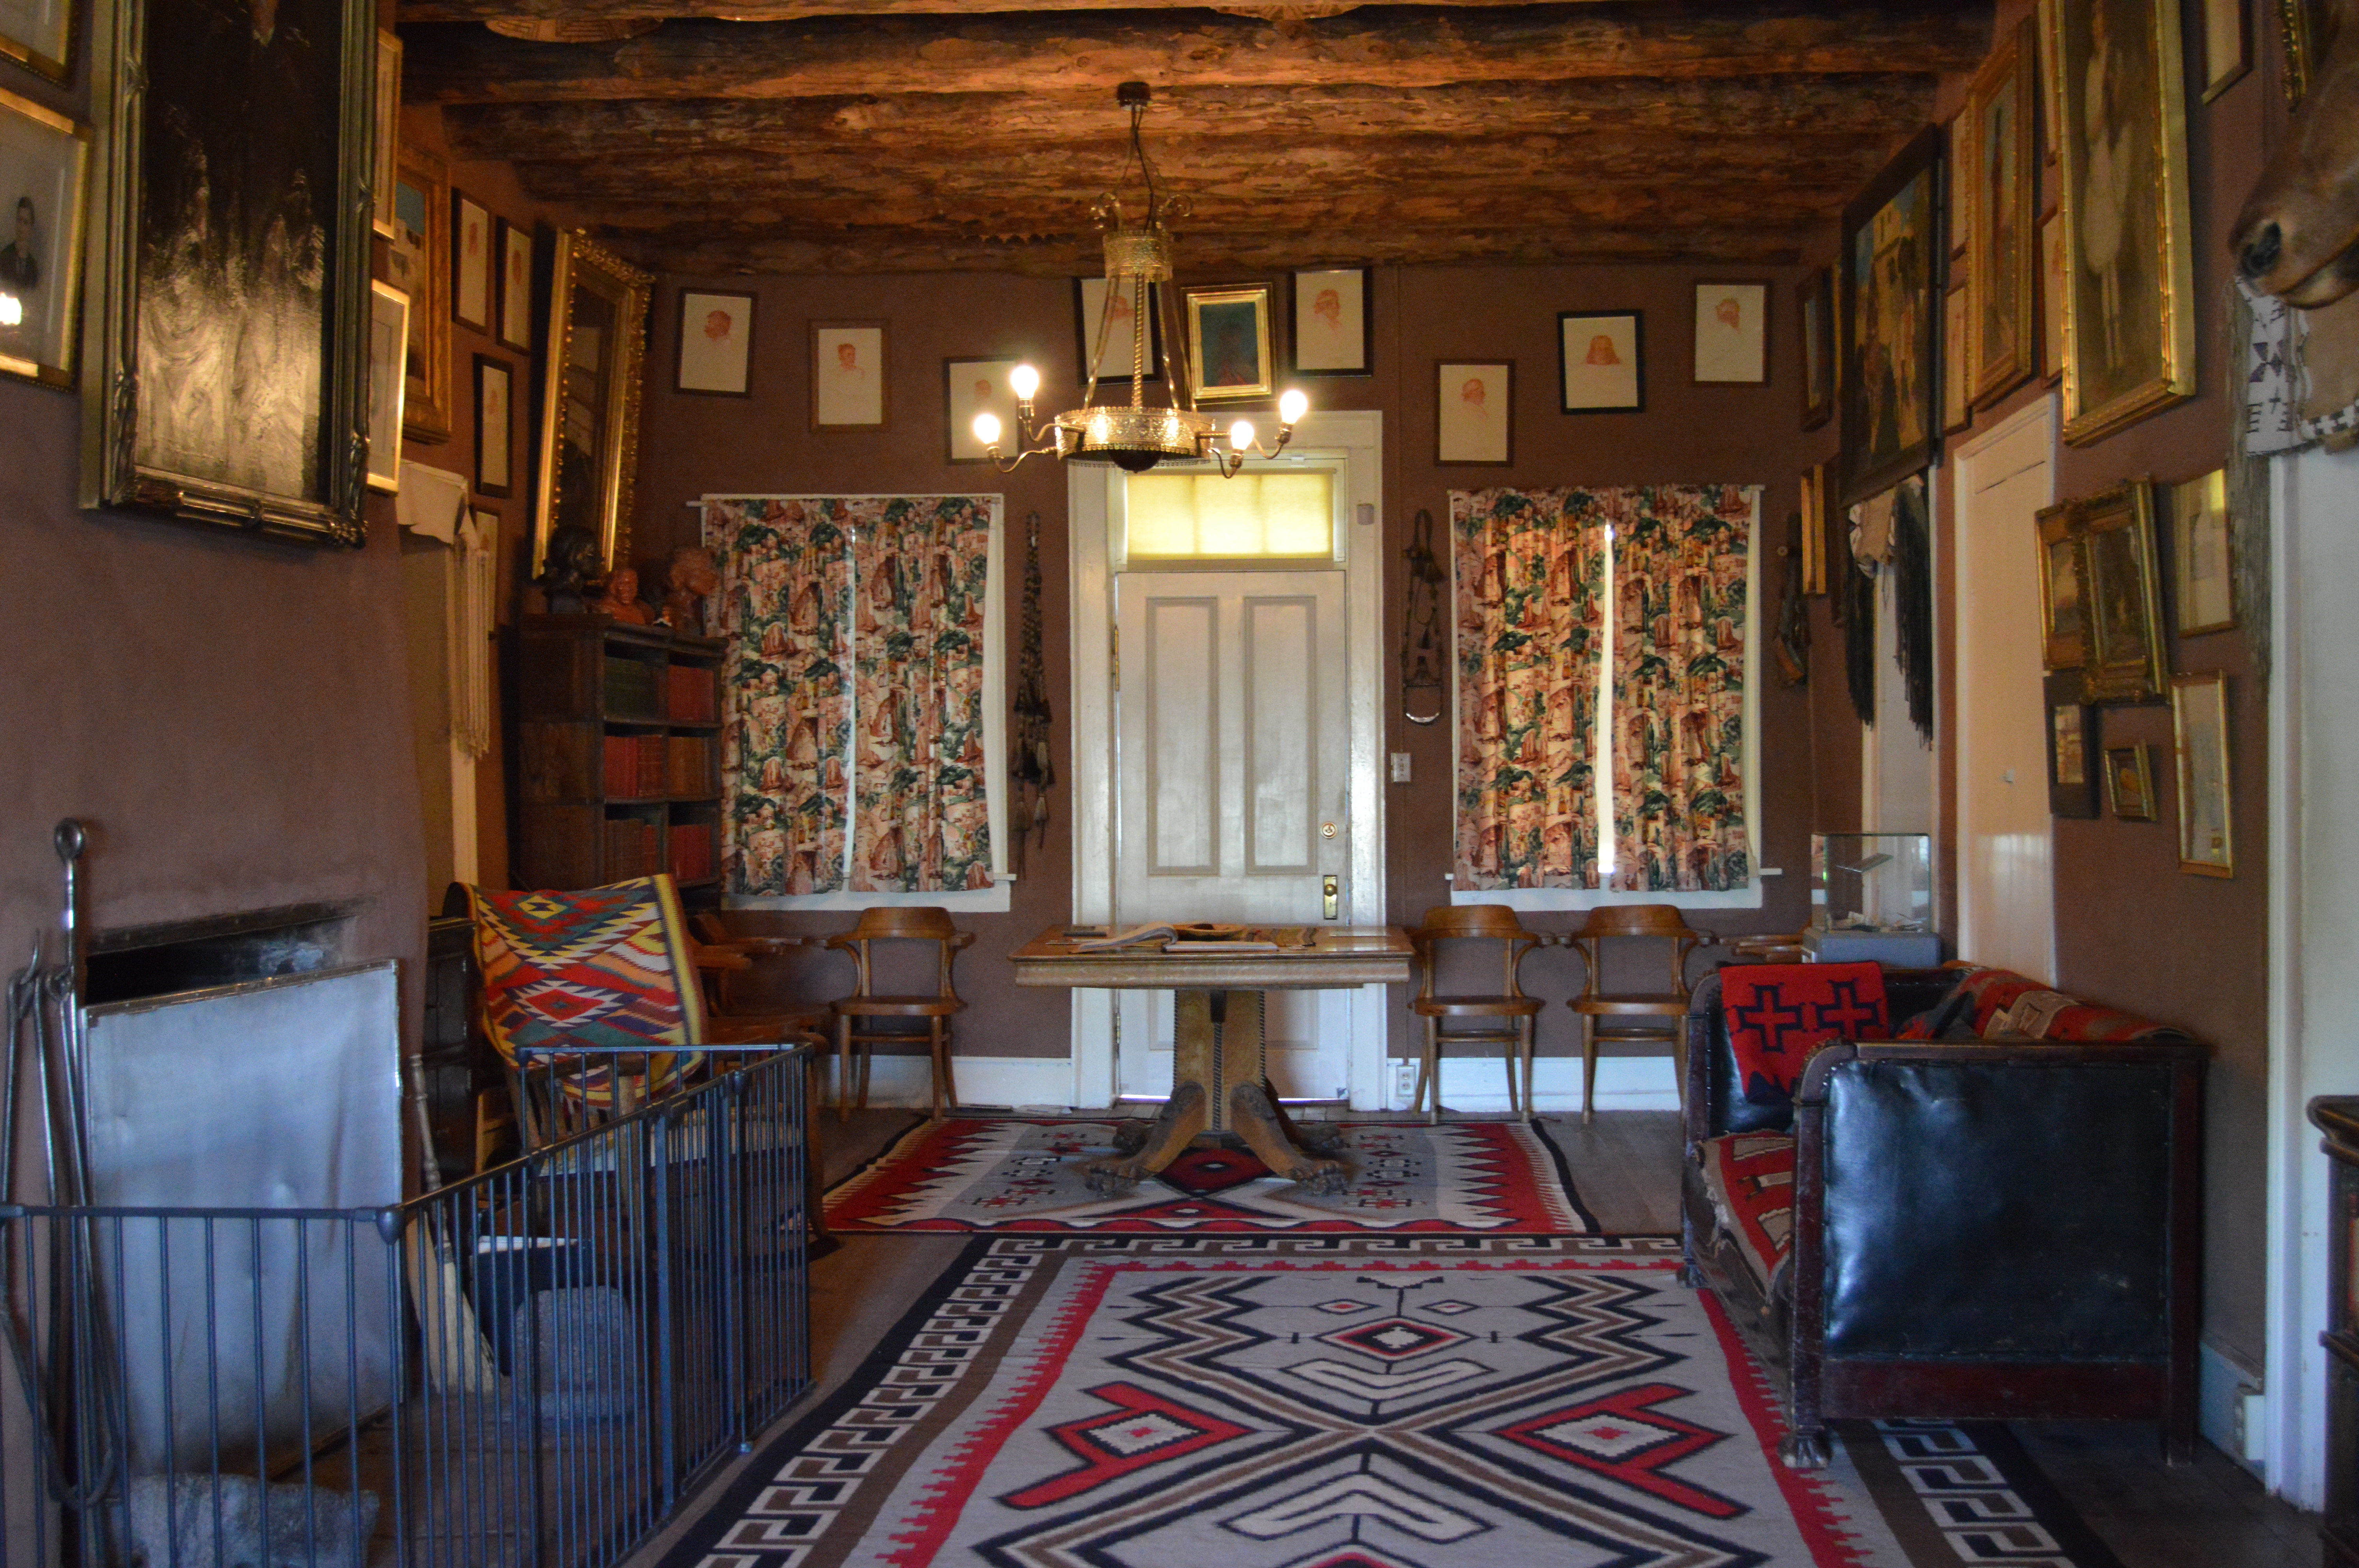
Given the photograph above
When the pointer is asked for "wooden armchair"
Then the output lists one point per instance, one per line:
(1631, 1015)
(858, 1015)
(1503, 1019)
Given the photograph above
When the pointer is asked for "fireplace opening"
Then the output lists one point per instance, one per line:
(136, 962)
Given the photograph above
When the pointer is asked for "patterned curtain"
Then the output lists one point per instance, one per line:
(785, 586)
(1679, 556)
(838, 605)
(1529, 571)
(918, 784)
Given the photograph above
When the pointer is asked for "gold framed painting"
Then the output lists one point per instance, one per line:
(2129, 782)
(2120, 604)
(2199, 719)
(384, 133)
(2120, 88)
(2063, 625)
(1957, 402)
(1814, 302)
(589, 438)
(2001, 220)
(388, 343)
(1815, 528)
(418, 256)
(2307, 29)
(2201, 556)
(43, 186)
(40, 36)
(1889, 322)
(1229, 353)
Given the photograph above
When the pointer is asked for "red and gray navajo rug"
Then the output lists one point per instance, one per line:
(1347, 1403)
(1015, 1175)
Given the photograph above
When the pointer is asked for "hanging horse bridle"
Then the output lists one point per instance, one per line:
(1421, 649)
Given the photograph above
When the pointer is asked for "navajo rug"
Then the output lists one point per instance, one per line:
(1342, 1402)
(1015, 1175)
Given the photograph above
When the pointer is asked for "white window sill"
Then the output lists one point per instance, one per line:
(1541, 898)
(993, 900)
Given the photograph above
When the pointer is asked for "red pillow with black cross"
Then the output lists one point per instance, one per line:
(1780, 1014)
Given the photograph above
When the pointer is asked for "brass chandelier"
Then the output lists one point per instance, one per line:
(1135, 436)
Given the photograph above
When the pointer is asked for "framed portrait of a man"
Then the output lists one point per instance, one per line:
(1229, 354)
(2002, 215)
(1891, 247)
(1115, 337)
(1332, 318)
(44, 171)
(2120, 91)
(847, 375)
(977, 386)
(1601, 362)
(1474, 412)
(716, 343)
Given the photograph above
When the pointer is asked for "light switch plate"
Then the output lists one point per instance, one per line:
(1400, 767)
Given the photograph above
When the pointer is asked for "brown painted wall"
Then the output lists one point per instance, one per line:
(1688, 433)
(2131, 930)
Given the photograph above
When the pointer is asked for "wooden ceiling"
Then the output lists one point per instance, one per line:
(894, 135)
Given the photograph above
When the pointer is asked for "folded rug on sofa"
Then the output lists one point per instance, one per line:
(1750, 1178)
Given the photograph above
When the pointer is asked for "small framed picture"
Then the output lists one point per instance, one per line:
(1228, 343)
(2199, 713)
(1330, 318)
(2225, 56)
(494, 426)
(44, 172)
(2202, 585)
(977, 386)
(716, 343)
(472, 279)
(2071, 748)
(2002, 209)
(385, 132)
(418, 258)
(2118, 590)
(1953, 187)
(388, 339)
(516, 287)
(1957, 412)
(1732, 334)
(1815, 528)
(1475, 411)
(2051, 297)
(1602, 361)
(2064, 627)
(2129, 782)
(1121, 332)
(847, 375)
(1815, 303)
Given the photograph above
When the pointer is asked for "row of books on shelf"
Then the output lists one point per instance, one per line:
(634, 848)
(676, 694)
(650, 767)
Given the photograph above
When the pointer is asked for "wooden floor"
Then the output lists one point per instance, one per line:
(2210, 1514)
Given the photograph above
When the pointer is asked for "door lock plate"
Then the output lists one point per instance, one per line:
(1331, 888)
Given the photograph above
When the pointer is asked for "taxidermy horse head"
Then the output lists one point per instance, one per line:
(2298, 237)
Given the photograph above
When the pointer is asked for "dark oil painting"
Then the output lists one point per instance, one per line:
(240, 176)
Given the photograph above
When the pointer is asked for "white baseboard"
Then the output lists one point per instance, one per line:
(1026, 1083)
(2230, 1412)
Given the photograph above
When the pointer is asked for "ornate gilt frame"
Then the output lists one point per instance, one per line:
(2137, 669)
(1990, 380)
(576, 259)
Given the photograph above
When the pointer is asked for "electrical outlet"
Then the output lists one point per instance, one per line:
(1400, 767)
(2252, 1426)
(1404, 1080)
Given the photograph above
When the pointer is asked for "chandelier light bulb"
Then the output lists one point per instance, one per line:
(1293, 405)
(986, 428)
(1024, 381)
(1241, 435)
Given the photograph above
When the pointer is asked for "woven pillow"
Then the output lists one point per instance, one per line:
(1780, 1014)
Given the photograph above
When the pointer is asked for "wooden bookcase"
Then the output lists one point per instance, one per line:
(618, 755)
(2337, 1117)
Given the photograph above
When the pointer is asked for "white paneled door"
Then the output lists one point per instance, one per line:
(1234, 744)
(2007, 879)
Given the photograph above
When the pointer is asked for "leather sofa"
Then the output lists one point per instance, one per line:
(1982, 1225)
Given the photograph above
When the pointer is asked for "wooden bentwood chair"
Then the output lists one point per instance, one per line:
(854, 1015)
(1619, 1016)
(1511, 1010)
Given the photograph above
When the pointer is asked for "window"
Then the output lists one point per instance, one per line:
(1260, 514)
(1606, 726)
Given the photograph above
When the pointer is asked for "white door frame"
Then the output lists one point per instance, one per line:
(2040, 412)
(1356, 438)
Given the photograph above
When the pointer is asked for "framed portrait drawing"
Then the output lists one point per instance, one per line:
(471, 276)
(2130, 306)
(1121, 332)
(1891, 246)
(1601, 362)
(2121, 607)
(39, 34)
(1815, 528)
(44, 181)
(516, 287)
(2129, 782)
(2307, 28)
(716, 343)
(1475, 411)
(2199, 717)
(2063, 621)
(1229, 343)
(1957, 408)
(2001, 178)
(2203, 581)
(1732, 334)
(418, 258)
(1331, 319)
(589, 436)
(2071, 749)
(2226, 56)
(977, 386)
(385, 132)
(236, 167)
(1814, 304)
(848, 375)
(494, 426)
(388, 345)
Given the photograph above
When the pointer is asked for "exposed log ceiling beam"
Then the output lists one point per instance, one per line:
(1399, 48)
(1278, 10)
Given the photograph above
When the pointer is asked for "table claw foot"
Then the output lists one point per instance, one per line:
(1324, 1139)
(1130, 1136)
(1139, 1153)
(1113, 1178)
(1257, 1120)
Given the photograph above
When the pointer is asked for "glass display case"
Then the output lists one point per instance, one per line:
(1872, 881)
